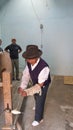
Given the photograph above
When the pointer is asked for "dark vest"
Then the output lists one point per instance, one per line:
(34, 73)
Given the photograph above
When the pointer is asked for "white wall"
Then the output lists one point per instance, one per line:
(21, 19)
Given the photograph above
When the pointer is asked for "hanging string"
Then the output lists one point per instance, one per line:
(41, 25)
(35, 11)
(46, 3)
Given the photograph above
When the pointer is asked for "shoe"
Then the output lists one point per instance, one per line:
(36, 123)
(18, 79)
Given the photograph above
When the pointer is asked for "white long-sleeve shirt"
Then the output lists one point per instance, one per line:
(43, 75)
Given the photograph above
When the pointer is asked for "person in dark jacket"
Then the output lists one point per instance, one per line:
(39, 72)
(14, 50)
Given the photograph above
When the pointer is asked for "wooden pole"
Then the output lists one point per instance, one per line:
(6, 76)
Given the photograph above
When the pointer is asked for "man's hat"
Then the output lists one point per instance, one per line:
(32, 51)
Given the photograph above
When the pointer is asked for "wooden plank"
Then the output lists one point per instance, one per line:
(6, 76)
(1, 84)
(6, 128)
(5, 63)
(68, 80)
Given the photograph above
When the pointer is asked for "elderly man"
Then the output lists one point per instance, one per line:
(39, 72)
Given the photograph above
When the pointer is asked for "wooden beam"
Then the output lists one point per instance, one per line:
(6, 76)
(6, 128)
(1, 84)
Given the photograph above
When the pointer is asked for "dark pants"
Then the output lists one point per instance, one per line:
(39, 104)
(15, 68)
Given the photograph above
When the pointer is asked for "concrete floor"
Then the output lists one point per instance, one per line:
(58, 111)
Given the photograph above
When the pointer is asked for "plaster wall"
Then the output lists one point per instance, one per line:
(21, 19)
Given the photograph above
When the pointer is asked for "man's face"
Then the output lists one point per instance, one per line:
(32, 61)
(14, 41)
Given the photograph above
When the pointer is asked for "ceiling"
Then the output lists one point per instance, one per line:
(3, 3)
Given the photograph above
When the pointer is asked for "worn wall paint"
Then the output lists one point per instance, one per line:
(22, 19)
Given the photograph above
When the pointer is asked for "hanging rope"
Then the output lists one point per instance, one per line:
(41, 25)
(35, 12)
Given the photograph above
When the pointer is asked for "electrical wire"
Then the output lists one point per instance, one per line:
(41, 25)
(35, 11)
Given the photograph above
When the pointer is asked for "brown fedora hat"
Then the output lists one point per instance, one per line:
(32, 51)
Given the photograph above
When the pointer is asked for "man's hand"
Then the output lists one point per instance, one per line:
(20, 90)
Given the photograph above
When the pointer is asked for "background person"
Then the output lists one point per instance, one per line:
(14, 50)
(38, 71)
